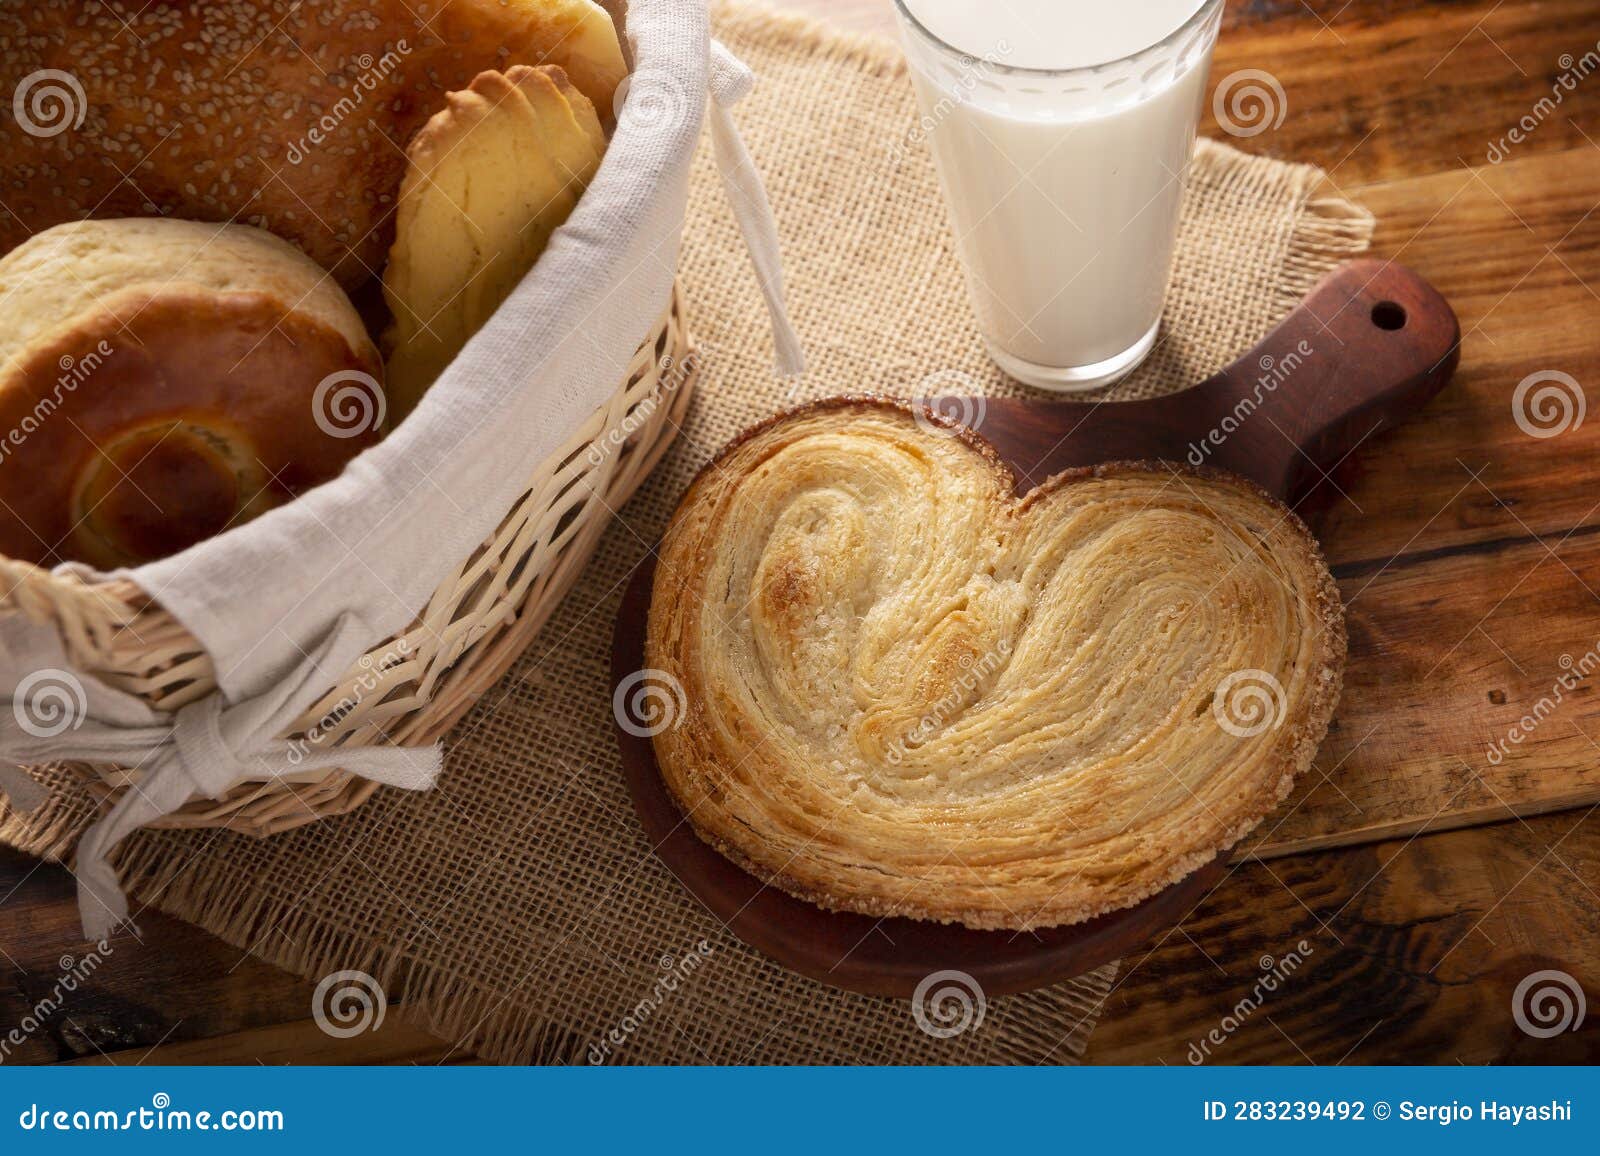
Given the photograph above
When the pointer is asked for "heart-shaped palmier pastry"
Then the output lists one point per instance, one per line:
(907, 692)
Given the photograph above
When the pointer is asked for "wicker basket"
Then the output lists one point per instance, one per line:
(412, 688)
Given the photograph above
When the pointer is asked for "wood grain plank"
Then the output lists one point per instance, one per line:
(158, 990)
(1415, 950)
(1469, 697)
(1516, 250)
(1379, 92)
(395, 1042)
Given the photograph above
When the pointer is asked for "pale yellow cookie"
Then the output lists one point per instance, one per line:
(490, 178)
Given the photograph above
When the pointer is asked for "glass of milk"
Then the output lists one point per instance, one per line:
(1062, 131)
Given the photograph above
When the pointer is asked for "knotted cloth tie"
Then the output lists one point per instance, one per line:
(196, 756)
(207, 748)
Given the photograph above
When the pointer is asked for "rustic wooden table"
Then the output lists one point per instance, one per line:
(1415, 944)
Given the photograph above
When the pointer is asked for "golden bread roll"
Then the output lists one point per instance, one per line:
(490, 178)
(278, 113)
(163, 380)
(906, 692)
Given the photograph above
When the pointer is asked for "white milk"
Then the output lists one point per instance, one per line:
(1063, 186)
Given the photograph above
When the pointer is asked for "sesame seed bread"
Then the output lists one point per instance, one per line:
(907, 692)
(286, 115)
(162, 380)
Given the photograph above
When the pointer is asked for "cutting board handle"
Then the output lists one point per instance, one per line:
(1368, 346)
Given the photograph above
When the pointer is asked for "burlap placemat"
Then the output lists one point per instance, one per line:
(517, 908)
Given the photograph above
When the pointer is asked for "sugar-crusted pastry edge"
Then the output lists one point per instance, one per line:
(1307, 729)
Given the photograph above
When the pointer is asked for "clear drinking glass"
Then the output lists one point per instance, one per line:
(1063, 187)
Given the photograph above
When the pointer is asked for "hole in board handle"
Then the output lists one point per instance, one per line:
(1388, 315)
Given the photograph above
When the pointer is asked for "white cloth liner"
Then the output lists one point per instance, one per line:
(287, 603)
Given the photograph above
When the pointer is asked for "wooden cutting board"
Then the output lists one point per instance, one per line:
(1367, 348)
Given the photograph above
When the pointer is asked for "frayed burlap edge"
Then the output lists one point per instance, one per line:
(52, 831)
(477, 1022)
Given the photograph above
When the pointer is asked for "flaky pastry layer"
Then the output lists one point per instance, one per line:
(906, 692)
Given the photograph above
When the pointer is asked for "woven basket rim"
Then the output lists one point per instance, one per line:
(474, 625)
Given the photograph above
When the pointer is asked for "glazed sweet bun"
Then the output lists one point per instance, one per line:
(288, 115)
(907, 692)
(491, 176)
(161, 381)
